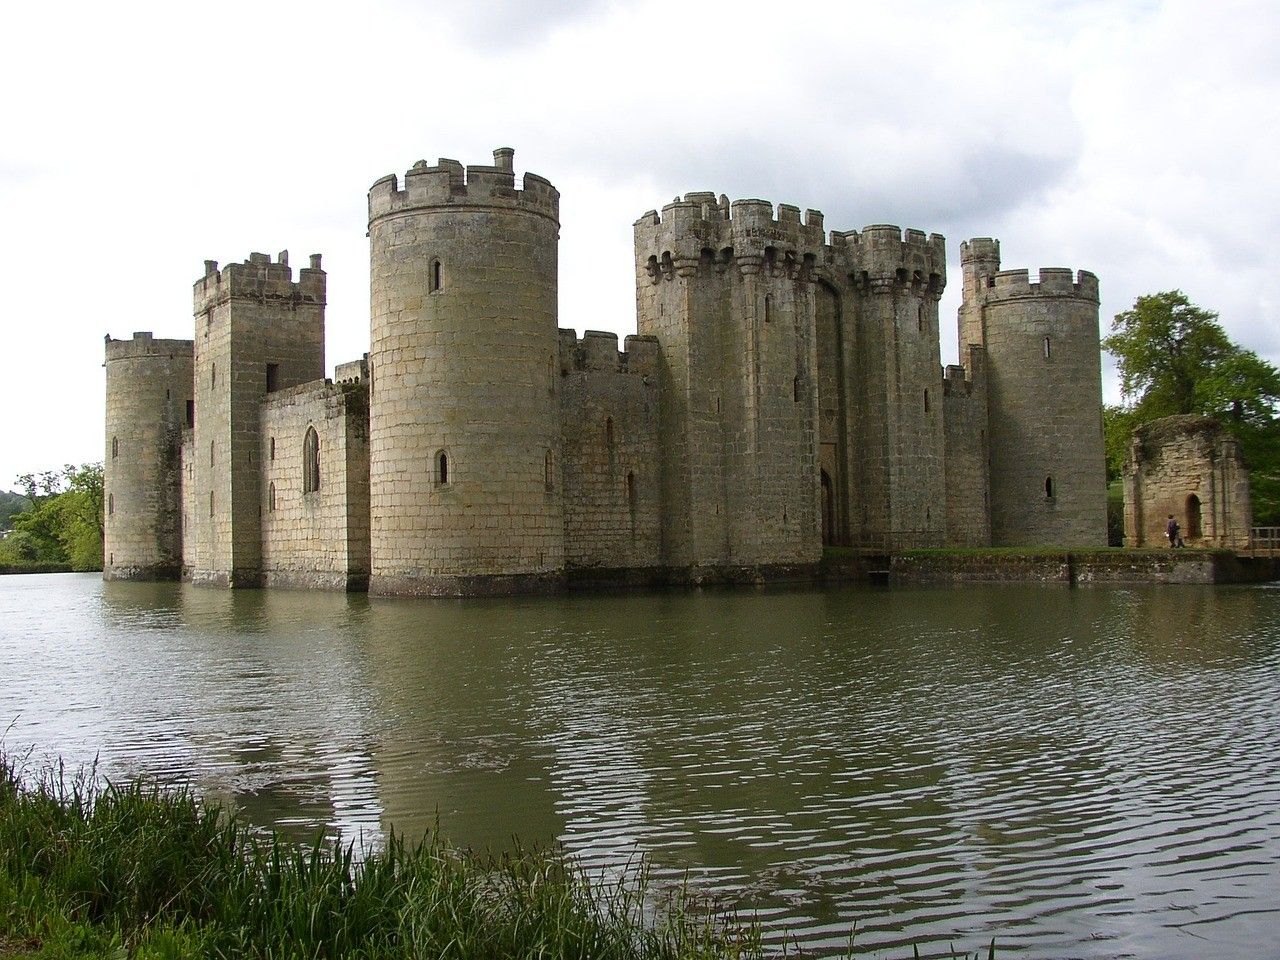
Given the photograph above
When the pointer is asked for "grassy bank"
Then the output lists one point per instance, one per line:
(95, 870)
(16, 568)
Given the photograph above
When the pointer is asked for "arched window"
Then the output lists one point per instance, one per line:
(115, 447)
(768, 307)
(273, 448)
(1048, 348)
(271, 498)
(435, 277)
(442, 468)
(546, 471)
(1048, 487)
(311, 461)
(111, 504)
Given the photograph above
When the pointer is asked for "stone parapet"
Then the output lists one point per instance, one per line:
(259, 278)
(448, 183)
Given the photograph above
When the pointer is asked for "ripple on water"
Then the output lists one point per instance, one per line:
(1083, 773)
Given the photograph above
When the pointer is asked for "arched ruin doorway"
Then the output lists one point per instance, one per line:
(1193, 517)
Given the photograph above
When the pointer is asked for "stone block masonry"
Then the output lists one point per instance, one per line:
(1189, 468)
(785, 391)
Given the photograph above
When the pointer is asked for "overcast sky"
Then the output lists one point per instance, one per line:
(1134, 138)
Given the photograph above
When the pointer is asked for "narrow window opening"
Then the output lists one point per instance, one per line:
(115, 447)
(926, 399)
(191, 413)
(211, 503)
(442, 468)
(631, 501)
(546, 470)
(211, 453)
(111, 504)
(768, 307)
(167, 394)
(273, 448)
(213, 376)
(273, 377)
(435, 280)
(795, 389)
(1048, 487)
(311, 461)
(920, 318)
(271, 498)
(1048, 348)
(608, 433)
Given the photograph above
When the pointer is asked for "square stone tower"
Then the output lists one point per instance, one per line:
(257, 330)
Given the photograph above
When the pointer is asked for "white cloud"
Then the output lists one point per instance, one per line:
(1131, 138)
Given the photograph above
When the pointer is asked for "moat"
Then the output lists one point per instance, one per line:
(1079, 773)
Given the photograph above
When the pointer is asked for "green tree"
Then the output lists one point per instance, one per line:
(64, 525)
(1174, 357)
(11, 504)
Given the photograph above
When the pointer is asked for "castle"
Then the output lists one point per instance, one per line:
(784, 391)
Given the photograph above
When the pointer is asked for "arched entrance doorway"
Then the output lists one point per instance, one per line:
(1193, 517)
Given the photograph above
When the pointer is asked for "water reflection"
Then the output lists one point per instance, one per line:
(1079, 772)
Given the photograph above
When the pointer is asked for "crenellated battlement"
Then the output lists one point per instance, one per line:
(885, 255)
(985, 281)
(1051, 282)
(598, 351)
(144, 344)
(259, 278)
(703, 229)
(448, 183)
(980, 250)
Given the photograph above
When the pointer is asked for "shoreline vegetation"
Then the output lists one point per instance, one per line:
(93, 869)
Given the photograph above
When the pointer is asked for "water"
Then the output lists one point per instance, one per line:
(1079, 773)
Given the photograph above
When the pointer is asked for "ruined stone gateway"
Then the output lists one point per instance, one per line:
(784, 391)
(1190, 468)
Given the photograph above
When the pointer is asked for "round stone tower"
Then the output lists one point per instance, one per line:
(464, 426)
(1044, 369)
(149, 392)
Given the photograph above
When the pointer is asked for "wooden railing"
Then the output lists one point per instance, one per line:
(1264, 542)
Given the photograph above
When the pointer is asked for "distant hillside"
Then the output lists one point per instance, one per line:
(11, 503)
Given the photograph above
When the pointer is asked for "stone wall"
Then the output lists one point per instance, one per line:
(1048, 471)
(890, 281)
(187, 472)
(255, 328)
(465, 419)
(147, 396)
(964, 398)
(611, 467)
(1191, 468)
(728, 291)
(316, 538)
(1068, 568)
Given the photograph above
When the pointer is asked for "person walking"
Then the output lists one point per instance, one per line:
(1171, 531)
